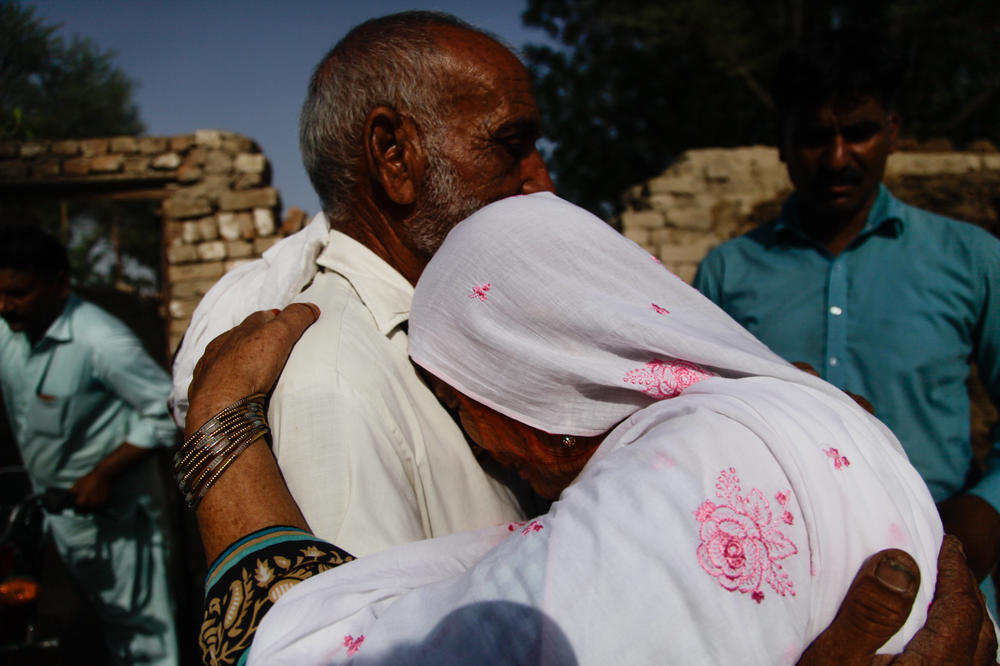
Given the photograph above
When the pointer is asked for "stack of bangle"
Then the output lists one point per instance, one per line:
(207, 453)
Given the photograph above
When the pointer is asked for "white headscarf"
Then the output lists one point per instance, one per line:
(540, 310)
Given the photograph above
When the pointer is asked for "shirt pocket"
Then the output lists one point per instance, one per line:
(47, 416)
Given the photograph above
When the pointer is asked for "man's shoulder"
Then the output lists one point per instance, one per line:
(94, 325)
(753, 242)
(924, 217)
(344, 345)
(941, 232)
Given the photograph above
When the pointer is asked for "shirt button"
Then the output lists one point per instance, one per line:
(835, 310)
(838, 267)
(834, 360)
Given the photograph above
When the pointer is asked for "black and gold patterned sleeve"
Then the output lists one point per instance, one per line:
(248, 578)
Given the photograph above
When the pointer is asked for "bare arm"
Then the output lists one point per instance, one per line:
(251, 494)
(974, 520)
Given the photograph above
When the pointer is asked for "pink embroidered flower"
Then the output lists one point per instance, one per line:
(740, 543)
(787, 516)
(839, 461)
(665, 379)
(513, 526)
(479, 291)
(533, 526)
(658, 310)
(353, 644)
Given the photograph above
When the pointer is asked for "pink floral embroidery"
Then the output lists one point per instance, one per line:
(661, 461)
(787, 516)
(658, 310)
(665, 379)
(533, 526)
(353, 644)
(479, 291)
(839, 461)
(740, 543)
(513, 526)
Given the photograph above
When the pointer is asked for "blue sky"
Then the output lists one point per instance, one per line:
(242, 65)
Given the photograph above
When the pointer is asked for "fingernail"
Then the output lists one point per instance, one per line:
(275, 311)
(894, 574)
(956, 542)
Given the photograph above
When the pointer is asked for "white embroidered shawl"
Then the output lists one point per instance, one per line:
(721, 521)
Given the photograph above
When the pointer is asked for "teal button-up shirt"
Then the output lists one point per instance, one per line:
(896, 317)
(82, 390)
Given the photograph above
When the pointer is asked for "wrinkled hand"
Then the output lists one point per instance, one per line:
(977, 524)
(958, 629)
(246, 359)
(92, 490)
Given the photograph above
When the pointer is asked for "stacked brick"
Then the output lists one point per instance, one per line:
(218, 207)
(711, 195)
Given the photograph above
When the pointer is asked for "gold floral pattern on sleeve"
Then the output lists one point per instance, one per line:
(238, 601)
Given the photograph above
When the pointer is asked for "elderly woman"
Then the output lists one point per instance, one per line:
(714, 502)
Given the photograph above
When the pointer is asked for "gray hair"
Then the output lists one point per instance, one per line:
(390, 61)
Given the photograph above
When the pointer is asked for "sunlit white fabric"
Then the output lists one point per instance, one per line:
(269, 282)
(722, 523)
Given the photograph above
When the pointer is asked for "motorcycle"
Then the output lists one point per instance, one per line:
(21, 533)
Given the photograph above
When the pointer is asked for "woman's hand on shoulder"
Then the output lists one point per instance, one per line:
(246, 359)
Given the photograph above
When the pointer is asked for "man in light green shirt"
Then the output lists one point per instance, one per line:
(87, 406)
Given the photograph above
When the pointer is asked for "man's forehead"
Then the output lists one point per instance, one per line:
(844, 110)
(475, 55)
(11, 277)
(23, 280)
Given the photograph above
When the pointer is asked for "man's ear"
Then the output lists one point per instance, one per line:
(394, 154)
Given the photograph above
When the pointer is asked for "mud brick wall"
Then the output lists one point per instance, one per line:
(217, 205)
(711, 195)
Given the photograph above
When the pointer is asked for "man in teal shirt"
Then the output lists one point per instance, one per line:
(87, 406)
(884, 299)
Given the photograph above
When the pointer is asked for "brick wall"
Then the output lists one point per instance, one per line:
(218, 207)
(711, 195)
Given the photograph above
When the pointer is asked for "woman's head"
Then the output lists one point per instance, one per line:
(548, 462)
(535, 308)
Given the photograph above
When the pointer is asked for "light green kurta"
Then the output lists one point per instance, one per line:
(76, 395)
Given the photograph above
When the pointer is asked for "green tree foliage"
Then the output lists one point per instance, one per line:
(53, 90)
(636, 82)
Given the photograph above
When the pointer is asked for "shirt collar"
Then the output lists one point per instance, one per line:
(61, 330)
(885, 216)
(385, 292)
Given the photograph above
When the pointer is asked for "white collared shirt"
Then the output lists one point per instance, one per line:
(369, 454)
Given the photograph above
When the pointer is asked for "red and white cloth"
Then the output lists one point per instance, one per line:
(722, 520)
